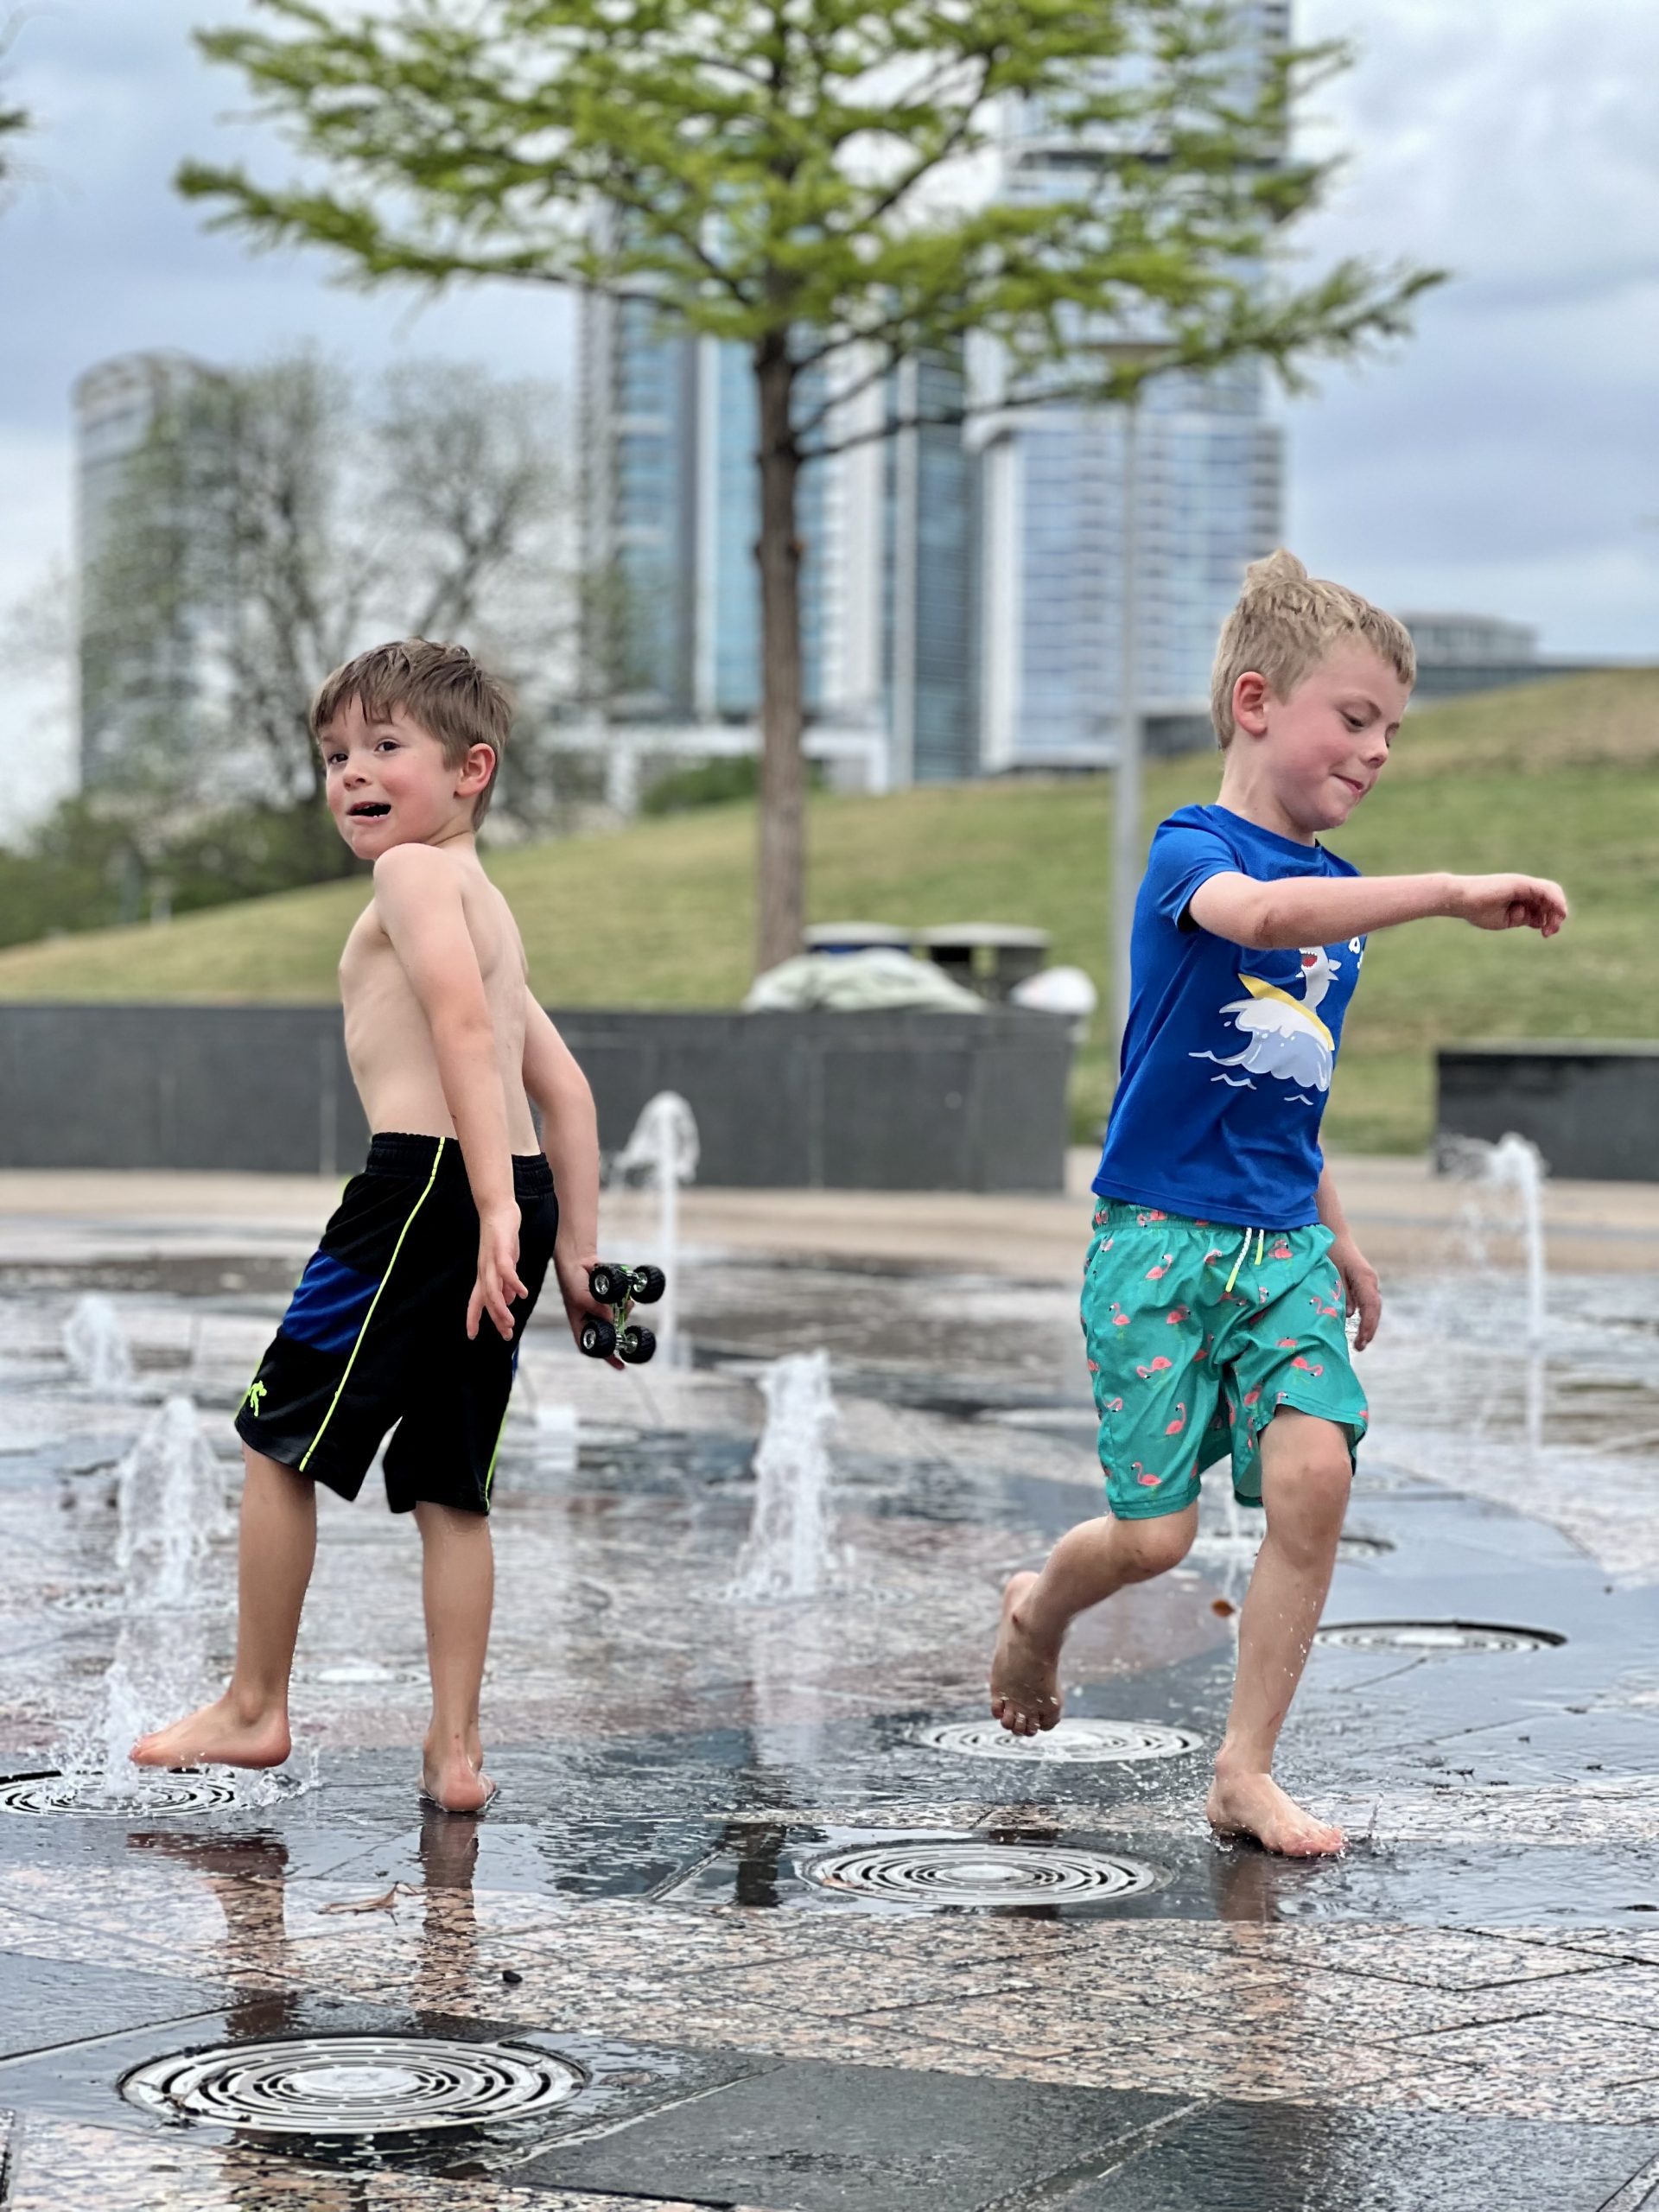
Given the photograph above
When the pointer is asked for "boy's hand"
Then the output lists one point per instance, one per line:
(571, 1267)
(1359, 1282)
(1509, 902)
(497, 1283)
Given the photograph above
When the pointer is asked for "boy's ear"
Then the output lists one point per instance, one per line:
(475, 772)
(1250, 696)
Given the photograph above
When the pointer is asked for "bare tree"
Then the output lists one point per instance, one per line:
(270, 525)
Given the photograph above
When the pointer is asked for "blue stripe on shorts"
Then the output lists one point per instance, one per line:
(328, 1308)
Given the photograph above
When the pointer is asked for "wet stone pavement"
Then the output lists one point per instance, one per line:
(744, 1928)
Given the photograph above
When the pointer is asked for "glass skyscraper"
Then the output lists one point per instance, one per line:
(671, 511)
(962, 595)
(1208, 500)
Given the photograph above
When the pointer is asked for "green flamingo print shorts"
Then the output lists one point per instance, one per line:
(1197, 1333)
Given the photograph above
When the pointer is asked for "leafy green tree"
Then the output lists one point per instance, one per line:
(814, 181)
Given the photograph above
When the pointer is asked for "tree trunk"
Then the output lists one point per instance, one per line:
(780, 861)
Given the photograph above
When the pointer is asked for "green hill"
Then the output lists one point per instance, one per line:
(1560, 778)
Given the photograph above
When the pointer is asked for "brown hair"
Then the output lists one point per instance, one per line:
(440, 686)
(1285, 623)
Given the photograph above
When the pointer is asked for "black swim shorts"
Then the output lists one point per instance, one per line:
(375, 1337)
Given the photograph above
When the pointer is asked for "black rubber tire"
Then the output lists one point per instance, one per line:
(649, 1284)
(636, 1345)
(598, 1338)
(608, 1283)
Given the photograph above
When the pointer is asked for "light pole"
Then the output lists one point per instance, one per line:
(1126, 778)
(1128, 354)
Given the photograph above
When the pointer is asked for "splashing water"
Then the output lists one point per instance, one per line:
(664, 1151)
(558, 1439)
(95, 1345)
(787, 1550)
(1513, 1164)
(171, 1508)
(1514, 1168)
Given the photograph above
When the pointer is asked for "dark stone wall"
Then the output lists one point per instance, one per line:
(1592, 1110)
(894, 1101)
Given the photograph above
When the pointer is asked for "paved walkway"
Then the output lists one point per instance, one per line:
(710, 1883)
(1397, 1206)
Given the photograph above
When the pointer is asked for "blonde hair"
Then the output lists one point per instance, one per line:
(440, 686)
(1285, 623)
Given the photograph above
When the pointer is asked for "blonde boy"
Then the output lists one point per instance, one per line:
(410, 1312)
(1221, 1266)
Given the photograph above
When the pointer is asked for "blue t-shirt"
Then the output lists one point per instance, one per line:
(1227, 1056)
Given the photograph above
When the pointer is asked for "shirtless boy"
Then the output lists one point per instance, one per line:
(1221, 1265)
(412, 1310)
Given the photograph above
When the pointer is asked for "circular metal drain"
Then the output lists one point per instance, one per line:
(1069, 1743)
(355, 2085)
(82, 1795)
(977, 1872)
(1429, 1636)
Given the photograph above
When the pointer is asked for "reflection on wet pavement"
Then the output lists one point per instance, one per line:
(744, 1876)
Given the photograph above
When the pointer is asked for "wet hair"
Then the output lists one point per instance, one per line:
(1284, 624)
(440, 686)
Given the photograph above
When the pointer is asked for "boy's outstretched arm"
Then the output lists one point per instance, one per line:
(1359, 1281)
(1323, 910)
(419, 902)
(570, 1139)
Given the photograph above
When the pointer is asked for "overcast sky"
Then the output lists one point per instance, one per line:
(1504, 460)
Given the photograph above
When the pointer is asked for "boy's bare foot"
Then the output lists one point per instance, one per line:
(219, 1734)
(1025, 1676)
(455, 1782)
(1253, 1804)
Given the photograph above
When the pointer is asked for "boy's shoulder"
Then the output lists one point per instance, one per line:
(413, 877)
(413, 865)
(1193, 831)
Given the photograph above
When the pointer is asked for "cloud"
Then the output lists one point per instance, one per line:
(1503, 459)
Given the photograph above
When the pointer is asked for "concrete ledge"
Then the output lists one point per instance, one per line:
(1591, 1108)
(894, 1102)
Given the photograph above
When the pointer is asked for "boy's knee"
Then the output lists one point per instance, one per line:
(1154, 1547)
(1307, 1480)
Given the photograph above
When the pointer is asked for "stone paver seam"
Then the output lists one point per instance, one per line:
(1638, 2192)
(111, 2034)
(1056, 2189)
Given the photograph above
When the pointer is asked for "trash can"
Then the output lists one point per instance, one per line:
(989, 957)
(857, 936)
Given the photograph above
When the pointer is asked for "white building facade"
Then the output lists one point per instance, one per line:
(137, 690)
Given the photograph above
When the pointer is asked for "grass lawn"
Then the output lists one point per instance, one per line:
(1561, 778)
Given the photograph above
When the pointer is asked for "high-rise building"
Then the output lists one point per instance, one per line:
(1206, 471)
(142, 684)
(963, 594)
(671, 511)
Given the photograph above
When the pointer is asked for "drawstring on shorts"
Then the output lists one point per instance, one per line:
(1260, 1236)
